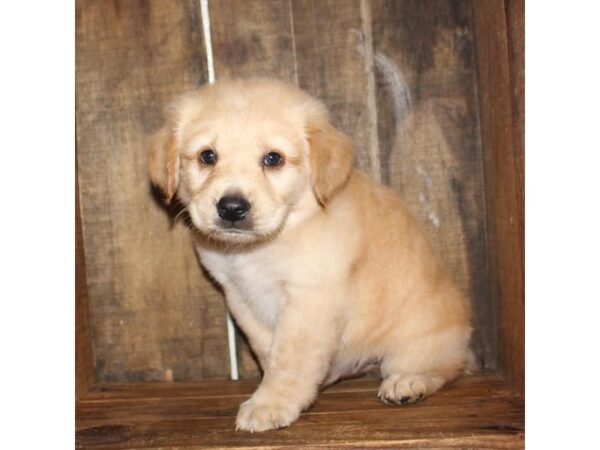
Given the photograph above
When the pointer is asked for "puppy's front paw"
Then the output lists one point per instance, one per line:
(260, 415)
(399, 390)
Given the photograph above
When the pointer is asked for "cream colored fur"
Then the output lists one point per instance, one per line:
(333, 276)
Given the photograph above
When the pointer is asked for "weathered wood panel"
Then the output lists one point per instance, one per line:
(84, 369)
(429, 137)
(334, 63)
(475, 412)
(252, 38)
(152, 313)
(500, 62)
(515, 17)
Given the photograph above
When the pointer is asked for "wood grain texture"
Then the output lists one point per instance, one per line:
(429, 137)
(153, 315)
(500, 96)
(474, 412)
(333, 64)
(84, 369)
(252, 38)
(515, 17)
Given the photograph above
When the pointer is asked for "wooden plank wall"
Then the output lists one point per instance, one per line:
(153, 315)
(398, 76)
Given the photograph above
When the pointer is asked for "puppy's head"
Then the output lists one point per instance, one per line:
(241, 155)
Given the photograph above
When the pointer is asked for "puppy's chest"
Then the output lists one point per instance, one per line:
(254, 278)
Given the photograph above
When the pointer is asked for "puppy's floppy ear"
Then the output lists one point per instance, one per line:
(163, 162)
(331, 155)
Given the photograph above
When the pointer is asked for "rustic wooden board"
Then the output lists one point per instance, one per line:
(500, 62)
(153, 315)
(252, 38)
(84, 369)
(515, 16)
(429, 137)
(473, 412)
(334, 63)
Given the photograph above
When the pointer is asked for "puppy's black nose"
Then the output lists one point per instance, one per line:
(233, 208)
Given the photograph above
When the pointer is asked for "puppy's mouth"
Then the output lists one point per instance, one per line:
(234, 231)
(240, 233)
(247, 230)
(235, 227)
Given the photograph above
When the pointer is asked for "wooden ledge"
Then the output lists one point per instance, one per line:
(479, 411)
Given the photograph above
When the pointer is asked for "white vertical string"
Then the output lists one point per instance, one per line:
(207, 40)
(233, 362)
(204, 13)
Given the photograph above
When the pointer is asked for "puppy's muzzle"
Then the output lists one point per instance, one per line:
(233, 208)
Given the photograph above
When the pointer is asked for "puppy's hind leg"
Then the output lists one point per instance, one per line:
(408, 388)
(424, 366)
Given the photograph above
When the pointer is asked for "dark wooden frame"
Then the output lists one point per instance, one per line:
(499, 28)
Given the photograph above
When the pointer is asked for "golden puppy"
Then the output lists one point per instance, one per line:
(324, 270)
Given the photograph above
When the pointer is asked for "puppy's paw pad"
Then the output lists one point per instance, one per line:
(262, 416)
(401, 390)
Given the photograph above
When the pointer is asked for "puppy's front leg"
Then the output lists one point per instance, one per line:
(303, 344)
(259, 337)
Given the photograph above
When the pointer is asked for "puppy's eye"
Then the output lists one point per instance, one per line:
(272, 159)
(208, 157)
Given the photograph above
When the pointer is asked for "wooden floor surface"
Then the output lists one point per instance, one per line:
(474, 412)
